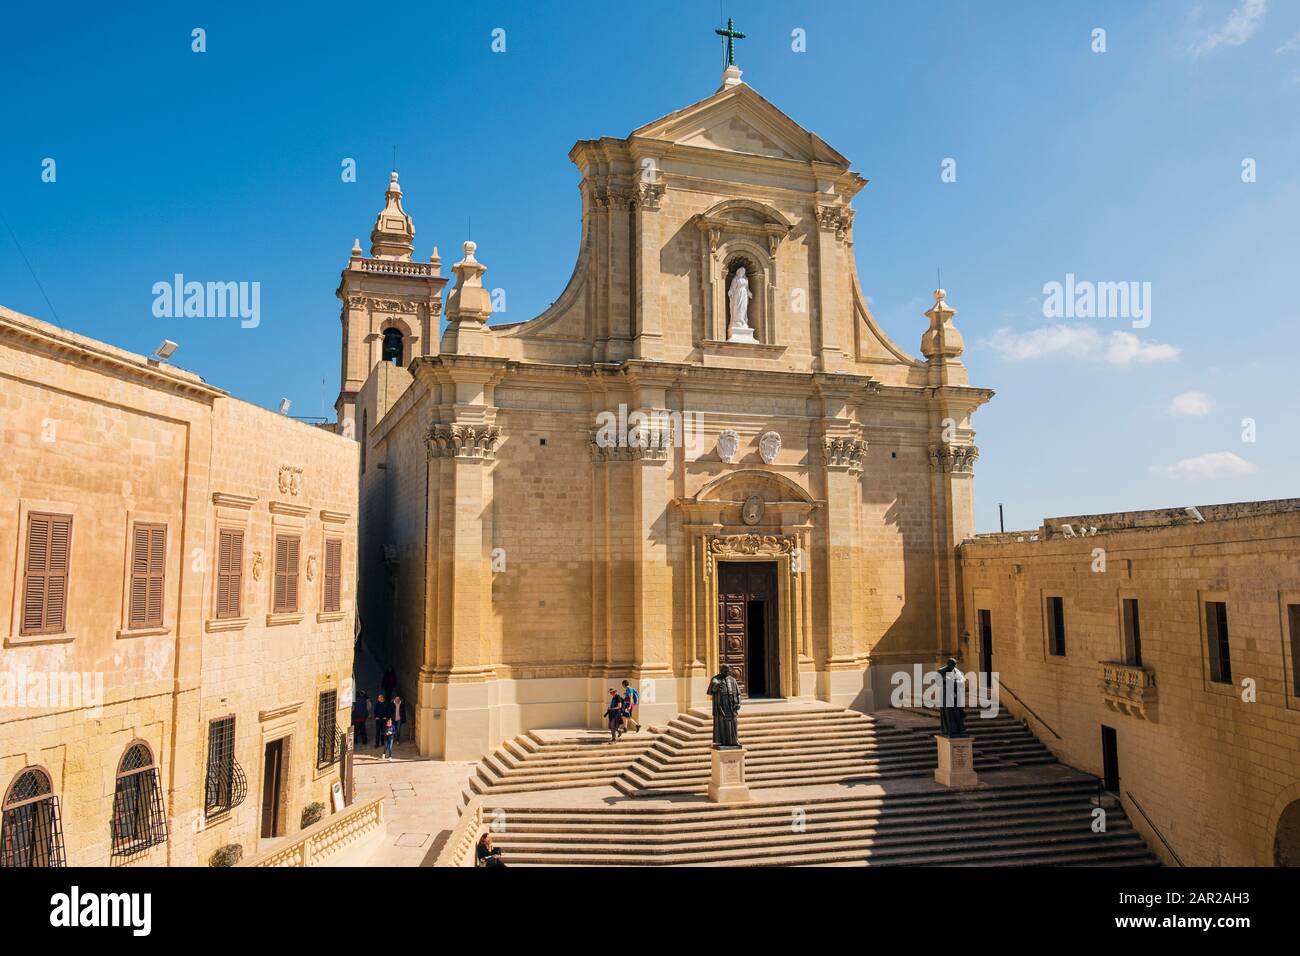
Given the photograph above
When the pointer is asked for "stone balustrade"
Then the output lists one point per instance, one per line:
(1129, 689)
(325, 837)
(398, 267)
(459, 848)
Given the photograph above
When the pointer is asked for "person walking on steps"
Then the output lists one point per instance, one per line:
(631, 701)
(388, 739)
(614, 714)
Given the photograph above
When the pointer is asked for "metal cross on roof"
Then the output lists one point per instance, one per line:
(732, 36)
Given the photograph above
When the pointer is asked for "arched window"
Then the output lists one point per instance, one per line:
(138, 819)
(30, 833)
(393, 346)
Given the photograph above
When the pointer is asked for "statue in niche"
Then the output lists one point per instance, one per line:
(738, 295)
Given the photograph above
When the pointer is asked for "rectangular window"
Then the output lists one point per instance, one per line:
(327, 728)
(225, 787)
(1132, 633)
(1056, 626)
(333, 574)
(285, 598)
(1216, 631)
(45, 579)
(1293, 624)
(230, 573)
(148, 558)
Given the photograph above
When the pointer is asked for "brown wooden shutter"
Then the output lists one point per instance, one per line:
(230, 573)
(45, 584)
(333, 573)
(148, 565)
(285, 598)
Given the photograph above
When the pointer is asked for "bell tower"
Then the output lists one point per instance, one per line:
(392, 305)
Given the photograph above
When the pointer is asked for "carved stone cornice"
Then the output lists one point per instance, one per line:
(647, 446)
(721, 547)
(953, 459)
(836, 218)
(648, 196)
(408, 306)
(459, 440)
(844, 452)
(606, 194)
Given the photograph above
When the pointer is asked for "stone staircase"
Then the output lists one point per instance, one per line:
(557, 760)
(1043, 823)
(787, 743)
(803, 744)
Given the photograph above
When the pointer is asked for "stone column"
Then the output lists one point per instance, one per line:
(842, 453)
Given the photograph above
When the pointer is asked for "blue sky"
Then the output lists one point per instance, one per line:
(1115, 166)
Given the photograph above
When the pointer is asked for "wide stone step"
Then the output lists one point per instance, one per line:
(922, 825)
(1010, 849)
(781, 814)
(1082, 789)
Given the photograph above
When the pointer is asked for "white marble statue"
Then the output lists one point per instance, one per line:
(738, 294)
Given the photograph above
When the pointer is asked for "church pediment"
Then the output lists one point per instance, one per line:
(738, 120)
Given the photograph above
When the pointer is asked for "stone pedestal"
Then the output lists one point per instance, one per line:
(727, 782)
(956, 762)
(738, 334)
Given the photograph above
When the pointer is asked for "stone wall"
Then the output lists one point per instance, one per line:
(112, 438)
(1213, 765)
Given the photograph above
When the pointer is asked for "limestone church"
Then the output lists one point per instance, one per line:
(658, 474)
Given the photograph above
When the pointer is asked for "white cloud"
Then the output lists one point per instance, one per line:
(1125, 347)
(1082, 342)
(1242, 24)
(1291, 45)
(1190, 403)
(1213, 464)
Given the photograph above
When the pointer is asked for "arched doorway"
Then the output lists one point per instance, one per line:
(1286, 843)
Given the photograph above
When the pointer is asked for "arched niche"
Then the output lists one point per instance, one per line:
(734, 233)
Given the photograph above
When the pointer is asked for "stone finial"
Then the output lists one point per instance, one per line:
(469, 301)
(435, 260)
(356, 248)
(394, 234)
(941, 342)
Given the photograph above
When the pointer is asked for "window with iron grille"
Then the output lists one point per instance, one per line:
(45, 577)
(30, 831)
(148, 564)
(327, 728)
(138, 819)
(284, 600)
(1216, 631)
(225, 787)
(333, 574)
(1293, 625)
(230, 573)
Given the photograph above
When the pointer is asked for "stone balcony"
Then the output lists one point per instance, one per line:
(1129, 689)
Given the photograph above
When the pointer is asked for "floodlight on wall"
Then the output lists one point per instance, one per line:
(163, 352)
(1193, 513)
(284, 406)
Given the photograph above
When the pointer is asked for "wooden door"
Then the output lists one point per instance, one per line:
(272, 788)
(747, 625)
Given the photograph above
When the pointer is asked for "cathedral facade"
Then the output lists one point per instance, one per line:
(660, 473)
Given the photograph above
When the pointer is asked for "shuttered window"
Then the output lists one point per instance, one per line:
(230, 573)
(333, 573)
(148, 560)
(45, 581)
(285, 598)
